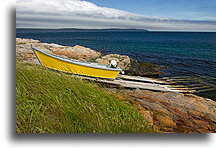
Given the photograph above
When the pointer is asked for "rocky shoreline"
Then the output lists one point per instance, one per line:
(129, 65)
(164, 111)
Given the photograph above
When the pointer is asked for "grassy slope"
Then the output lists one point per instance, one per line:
(52, 102)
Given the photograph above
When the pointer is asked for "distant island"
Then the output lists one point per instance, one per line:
(19, 30)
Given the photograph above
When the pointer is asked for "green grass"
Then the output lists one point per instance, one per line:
(53, 102)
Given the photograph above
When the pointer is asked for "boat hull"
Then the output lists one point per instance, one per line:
(65, 66)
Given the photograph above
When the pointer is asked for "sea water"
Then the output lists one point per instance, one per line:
(184, 53)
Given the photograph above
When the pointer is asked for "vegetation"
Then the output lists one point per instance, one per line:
(53, 102)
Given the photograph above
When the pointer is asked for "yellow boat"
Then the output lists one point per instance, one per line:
(74, 66)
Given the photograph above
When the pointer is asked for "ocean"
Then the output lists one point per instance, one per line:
(185, 54)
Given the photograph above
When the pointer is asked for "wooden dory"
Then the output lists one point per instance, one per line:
(75, 66)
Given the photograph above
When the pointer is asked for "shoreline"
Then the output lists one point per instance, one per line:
(77, 52)
(130, 66)
(167, 112)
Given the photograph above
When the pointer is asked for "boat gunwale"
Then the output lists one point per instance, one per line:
(72, 61)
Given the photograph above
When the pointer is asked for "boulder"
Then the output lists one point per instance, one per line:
(122, 61)
(131, 66)
(143, 69)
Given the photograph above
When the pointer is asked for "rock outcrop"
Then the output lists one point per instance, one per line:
(77, 52)
(130, 66)
(143, 69)
(122, 60)
(174, 112)
(23, 50)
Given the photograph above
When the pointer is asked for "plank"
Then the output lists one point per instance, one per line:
(141, 85)
(134, 84)
(203, 90)
(196, 88)
(144, 79)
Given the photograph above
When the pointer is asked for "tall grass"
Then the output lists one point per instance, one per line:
(53, 102)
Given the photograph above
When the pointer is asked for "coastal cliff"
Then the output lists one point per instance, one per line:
(166, 112)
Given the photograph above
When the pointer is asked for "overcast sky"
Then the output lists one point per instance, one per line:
(155, 15)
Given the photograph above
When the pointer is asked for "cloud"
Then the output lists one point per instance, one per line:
(84, 14)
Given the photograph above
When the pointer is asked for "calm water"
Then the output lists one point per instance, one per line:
(185, 53)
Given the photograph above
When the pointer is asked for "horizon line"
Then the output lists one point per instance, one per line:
(119, 29)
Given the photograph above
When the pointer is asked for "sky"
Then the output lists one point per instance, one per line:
(178, 9)
(154, 15)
